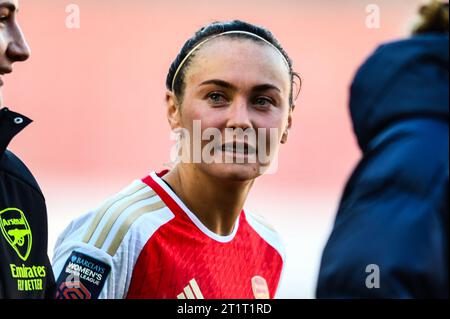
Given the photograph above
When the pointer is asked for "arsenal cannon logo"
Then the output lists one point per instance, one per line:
(16, 231)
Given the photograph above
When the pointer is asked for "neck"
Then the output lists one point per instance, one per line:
(215, 202)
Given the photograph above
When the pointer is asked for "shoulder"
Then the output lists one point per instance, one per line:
(267, 232)
(114, 233)
(13, 166)
(129, 212)
(119, 215)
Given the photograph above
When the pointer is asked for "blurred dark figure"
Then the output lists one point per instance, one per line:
(390, 238)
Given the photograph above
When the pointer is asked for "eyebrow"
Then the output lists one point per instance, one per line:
(224, 84)
(9, 6)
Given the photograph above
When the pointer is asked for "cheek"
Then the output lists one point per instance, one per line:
(274, 120)
(208, 117)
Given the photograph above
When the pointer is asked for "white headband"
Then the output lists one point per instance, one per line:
(218, 35)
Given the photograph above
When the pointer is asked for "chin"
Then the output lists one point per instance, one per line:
(233, 172)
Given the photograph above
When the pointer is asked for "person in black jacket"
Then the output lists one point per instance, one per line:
(390, 237)
(25, 270)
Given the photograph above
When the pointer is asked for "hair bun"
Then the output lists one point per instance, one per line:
(433, 17)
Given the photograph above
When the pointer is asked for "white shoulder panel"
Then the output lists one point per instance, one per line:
(268, 233)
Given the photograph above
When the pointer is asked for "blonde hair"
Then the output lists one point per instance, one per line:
(433, 17)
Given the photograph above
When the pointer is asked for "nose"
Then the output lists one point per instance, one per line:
(18, 49)
(238, 116)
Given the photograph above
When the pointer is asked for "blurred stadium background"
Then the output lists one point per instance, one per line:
(96, 95)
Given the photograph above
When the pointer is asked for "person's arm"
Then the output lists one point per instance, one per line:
(83, 271)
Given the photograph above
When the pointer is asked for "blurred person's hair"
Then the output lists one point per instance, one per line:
(433, 17)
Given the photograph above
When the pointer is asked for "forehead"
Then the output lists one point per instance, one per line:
(239, 60)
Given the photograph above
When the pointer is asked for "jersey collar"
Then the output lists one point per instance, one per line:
(177, 206)
(11, 123)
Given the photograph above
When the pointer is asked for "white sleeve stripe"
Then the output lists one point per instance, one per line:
(116, 212)
(129, 221)
(137, 237)
(104, 208)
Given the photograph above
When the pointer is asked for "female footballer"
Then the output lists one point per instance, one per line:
(183, 233)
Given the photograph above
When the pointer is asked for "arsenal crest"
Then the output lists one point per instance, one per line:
(16, 230)
(260, 288)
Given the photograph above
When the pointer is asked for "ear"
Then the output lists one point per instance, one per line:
(173, 111)
(284, 138)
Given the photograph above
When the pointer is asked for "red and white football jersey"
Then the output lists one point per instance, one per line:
(145, 243)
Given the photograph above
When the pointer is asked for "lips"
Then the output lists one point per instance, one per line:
(241, 148)
(3, 71)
